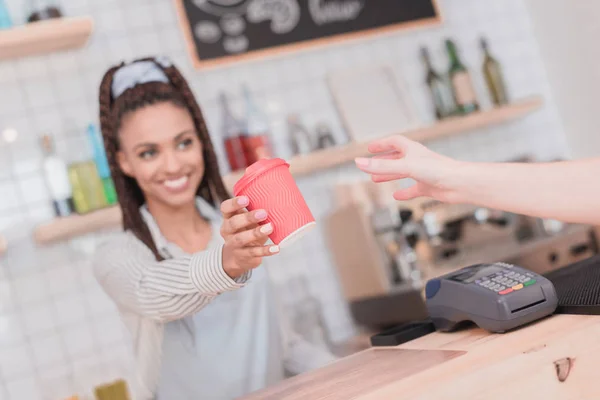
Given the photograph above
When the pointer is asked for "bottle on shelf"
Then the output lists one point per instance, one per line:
(5, 19)
(88, 192)
(492, 71)
(301, 141)
(57, 179)
(233, 136)
(325, 137)
(462, 85)
(439, 89)
(102, 164)
(256, 142)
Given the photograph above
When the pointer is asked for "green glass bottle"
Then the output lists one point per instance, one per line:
(439, 88)
(492, 72)
(462, 85)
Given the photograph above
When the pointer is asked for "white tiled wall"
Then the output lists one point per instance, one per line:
(59, 334)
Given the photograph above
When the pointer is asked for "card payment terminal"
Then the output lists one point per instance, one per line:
(496, 297)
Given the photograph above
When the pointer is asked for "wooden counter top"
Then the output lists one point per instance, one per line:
(555, 358)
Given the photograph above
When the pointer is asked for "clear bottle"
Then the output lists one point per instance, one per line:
(324, 136)
(439, 89)
(300, 139)
(256, 142)
(492, 71)
(462, 85)
(57, 179)
(233, 136)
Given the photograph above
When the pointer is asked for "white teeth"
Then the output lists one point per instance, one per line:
(176, 183)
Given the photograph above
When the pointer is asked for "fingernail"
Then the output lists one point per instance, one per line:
(243, 201)
(274, 249)
(266, 228)
(363, 162)
(260, 215)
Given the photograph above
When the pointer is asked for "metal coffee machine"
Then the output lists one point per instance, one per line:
(373, 247)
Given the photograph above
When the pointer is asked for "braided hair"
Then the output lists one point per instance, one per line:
(131, 198)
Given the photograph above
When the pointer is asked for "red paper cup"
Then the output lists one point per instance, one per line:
(269, 185)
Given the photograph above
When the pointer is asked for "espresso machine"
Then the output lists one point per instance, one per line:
(373, 246)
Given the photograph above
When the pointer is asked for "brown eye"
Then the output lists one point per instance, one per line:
(185, 143)
(147, 154)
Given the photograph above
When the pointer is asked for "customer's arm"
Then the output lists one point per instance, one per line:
(566, 190)
(161, 290)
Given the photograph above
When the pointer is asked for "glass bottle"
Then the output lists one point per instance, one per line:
(256, 141)
(462, 85)
(233, 136)
(439, 89)
(492, 71)
(57, 179)
(299, 136)
(99, 155)
(5, 19)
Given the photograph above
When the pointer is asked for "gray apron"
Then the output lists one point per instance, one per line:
(231, 347)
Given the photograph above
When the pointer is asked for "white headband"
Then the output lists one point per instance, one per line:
(137, 73)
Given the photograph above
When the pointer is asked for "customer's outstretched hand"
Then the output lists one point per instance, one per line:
(398, 157)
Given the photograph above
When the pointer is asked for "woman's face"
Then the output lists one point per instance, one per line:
(159, 148)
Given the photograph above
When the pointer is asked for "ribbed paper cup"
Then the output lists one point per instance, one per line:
(269, 185)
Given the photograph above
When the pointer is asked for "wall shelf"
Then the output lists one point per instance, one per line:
(72, 226)
(45, 37)
(75, 225)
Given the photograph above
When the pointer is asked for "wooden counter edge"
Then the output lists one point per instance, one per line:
(554, 358)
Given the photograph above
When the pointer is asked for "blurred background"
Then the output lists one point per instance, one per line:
(511, 80)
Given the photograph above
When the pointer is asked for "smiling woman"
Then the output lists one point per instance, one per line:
(175, 271)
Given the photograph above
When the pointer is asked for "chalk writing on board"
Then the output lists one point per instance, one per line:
(324, 12)
(220, 8)
(233, 24)
(284, 14)
(207, 31)
(235, 44)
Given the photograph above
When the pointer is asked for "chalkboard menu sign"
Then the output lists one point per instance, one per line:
(224, 31)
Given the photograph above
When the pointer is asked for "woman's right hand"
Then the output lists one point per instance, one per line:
(398, 157)
(244, 238)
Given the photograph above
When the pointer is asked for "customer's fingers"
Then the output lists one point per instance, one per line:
(233, 206)
(393, 143)
(382, 166)
(408, 193)
(392, 155)
(387, 177)
(242, 221)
